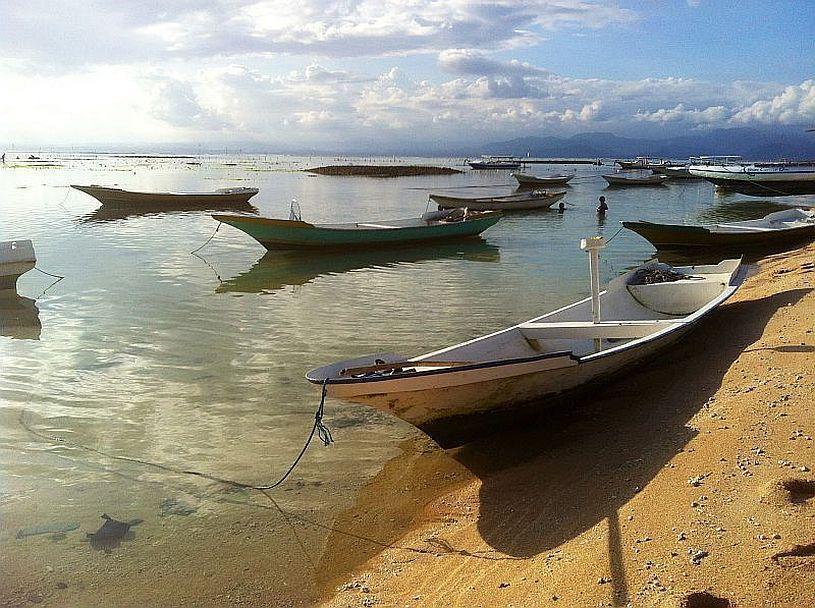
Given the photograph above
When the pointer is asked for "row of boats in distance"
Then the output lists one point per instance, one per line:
(731, 173)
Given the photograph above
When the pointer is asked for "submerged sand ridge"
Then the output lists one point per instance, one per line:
(685, 483)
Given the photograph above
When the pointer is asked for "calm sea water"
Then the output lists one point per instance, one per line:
(149, 352)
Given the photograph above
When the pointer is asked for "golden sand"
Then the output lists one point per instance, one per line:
(685, 483)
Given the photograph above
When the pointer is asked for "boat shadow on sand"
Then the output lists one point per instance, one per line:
(579, 468)
(279, 269)
(546, 477)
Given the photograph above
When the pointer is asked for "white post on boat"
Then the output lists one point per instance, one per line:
(593, 245)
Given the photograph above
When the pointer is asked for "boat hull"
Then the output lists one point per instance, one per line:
(286, 234)
(116, 197)
(532, 180)
(619, 180)
(673, 236)
(528, 385)
(518, 203)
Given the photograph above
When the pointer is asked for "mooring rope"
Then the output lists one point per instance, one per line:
(212, 236)
(56, 276)
(317, 428)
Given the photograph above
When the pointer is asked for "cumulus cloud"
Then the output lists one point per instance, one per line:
(49, 33)
(795, 104)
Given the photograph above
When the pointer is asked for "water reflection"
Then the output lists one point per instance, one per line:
(280, 269)
(738, 210)
(107, 214)
(19, 317)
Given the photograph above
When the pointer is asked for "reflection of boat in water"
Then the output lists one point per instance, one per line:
(109, 214)
(131, 198)
(644, 311)
(782, 228)
(280, 269)
(19, 317)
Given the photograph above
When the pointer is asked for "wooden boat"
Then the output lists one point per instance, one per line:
(643, 311)
(16, 258)
(546, 180)
(296, 234)
(781, 178)
(641, 162)
(124, 198)
(676, 172)
(623, 179)
(779, 228)
(495, 162)
(535, 199)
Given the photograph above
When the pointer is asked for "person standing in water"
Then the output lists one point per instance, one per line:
(602, 207)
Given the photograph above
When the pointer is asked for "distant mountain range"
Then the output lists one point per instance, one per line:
(749, 143)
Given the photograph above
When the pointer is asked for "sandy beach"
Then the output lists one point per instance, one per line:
(686, 483)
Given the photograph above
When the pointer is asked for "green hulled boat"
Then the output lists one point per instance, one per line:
(296, 234)
(776, 229)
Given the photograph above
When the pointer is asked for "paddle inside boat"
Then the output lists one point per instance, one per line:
(297, 234)
(639, 313)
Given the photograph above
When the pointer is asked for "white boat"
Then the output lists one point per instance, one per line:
(543, 357)
(496, 162)
(534, 199)
(525, 179)
(642, 162)
(780, 178)
(633, 179)
(16, 258)
(126, 198)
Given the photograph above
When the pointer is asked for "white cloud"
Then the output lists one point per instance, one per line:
(795, 104)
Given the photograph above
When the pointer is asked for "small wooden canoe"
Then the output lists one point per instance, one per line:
(536, 199)
(779, 228)
(16, 258)
(294, 234)
(643, 311)
(524, 179)
(124, 198)
(623, 179)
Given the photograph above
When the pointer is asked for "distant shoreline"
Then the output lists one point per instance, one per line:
(382, 170)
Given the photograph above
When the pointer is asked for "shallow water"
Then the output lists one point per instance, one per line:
(148, 352)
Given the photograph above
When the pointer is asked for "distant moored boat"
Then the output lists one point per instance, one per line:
(535, 199)
(525, 179)
(217, 198)
(623, 179)
(780, 178)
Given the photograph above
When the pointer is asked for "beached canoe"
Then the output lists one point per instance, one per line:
(535, 199)
(780, 228)
(643, 311)
(623, 179)
(524, 179)
(295, 234)
(215, 198)
(16, 258)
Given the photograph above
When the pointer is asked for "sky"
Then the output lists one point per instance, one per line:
(381, 74)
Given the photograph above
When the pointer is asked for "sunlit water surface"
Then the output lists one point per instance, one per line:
(149, 352)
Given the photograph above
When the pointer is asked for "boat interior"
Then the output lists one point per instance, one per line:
(648, 300)
(628, 311)
(779, 220)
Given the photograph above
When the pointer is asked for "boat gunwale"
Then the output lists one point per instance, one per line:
(735, 280)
